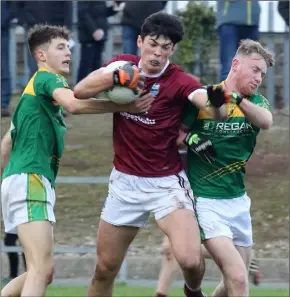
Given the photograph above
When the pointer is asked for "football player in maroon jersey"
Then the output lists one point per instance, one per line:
(148, 176)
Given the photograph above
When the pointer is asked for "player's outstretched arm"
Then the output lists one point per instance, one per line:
(6, 145)
(202, 98)
(65, 97)
(259, 116)
(128, 75)
(96, 82)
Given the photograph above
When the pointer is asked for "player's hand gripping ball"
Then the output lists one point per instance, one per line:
(128, 82)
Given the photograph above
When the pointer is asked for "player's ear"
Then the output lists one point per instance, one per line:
(235, 64)
(40, 54)
(173, 49)
(139, 41)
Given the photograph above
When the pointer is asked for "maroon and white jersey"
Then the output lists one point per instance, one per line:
(145, 144)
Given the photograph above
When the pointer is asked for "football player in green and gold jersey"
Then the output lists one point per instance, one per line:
(33, 146)
(217, 154)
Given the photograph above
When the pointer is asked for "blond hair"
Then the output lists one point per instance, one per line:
(248, 47)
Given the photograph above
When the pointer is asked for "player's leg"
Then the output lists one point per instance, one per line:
(31, 199)
(205, 252)
(245, 253)
(121, 218)
(14, 287)
(112, 244)
(226, 224)
(177, 220)
(233, 268)
(86, 61)
(98, 48)
(169, 269)
(220, 290)
(10, 240)
(227, 50)
(37, 240)
(130, 35)
(174, 214)
(255, 273)
(179, 226)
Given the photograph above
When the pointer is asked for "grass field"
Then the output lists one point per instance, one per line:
(123, 290)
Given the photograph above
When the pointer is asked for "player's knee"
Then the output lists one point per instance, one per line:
(239, 281)
(107, 267)
(49, 275)
(43, 270)
(191, 262)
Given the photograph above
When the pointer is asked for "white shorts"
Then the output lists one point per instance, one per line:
(132, 199)
(25, 198)
(225, 217)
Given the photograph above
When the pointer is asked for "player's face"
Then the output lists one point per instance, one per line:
(250, 72)
(154, 53)
(58, 56)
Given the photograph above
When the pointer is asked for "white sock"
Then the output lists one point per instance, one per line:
(192, 290)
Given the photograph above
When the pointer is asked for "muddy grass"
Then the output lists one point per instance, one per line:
(88, 152)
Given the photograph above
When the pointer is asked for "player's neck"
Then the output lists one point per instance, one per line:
(146, 74)
(46, 67)
(231, 85)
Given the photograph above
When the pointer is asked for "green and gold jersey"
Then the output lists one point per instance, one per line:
(37, 128)
(234, 140)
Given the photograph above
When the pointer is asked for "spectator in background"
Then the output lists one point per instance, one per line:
(92, 33)
(283, 9)
(7, 14)
(134, 14)
(57, 13)
(235, 20)
(10, 240)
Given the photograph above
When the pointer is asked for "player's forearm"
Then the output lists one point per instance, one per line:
(200, 99)
(257, 115)
(6, 145)
(93, 84)
(97, 106)
(180, 139)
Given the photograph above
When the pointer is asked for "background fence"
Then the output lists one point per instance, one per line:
(275, 86)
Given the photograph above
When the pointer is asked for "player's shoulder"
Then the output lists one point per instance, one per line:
(124, 57)
(257, 97)
(44, 76)
(183, 77)
(260, 100)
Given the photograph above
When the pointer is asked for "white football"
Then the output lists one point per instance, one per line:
(119, 94)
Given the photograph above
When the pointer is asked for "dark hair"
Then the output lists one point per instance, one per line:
(40, 34)
(162, 23)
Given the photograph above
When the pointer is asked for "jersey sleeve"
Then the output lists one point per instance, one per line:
(262, 101)
(189, 115)
(189, 84)
(54, 81)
